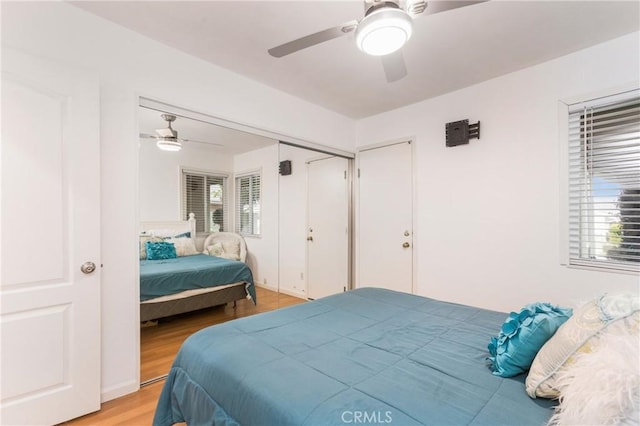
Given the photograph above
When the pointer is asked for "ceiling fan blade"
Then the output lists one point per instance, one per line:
(312, 39)
(148, 136)
(443, 6)
(202, 142)
(394, 66)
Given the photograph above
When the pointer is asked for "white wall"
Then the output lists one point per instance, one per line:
(160, 177)
(262, 251)
(487, 214)
(125, 63)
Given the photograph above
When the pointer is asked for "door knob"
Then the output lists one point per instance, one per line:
(405, 244)
(88, 267)
(310, 238)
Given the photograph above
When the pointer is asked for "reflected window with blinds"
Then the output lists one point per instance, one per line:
(248, 204)
(604, 182)
(204, 195)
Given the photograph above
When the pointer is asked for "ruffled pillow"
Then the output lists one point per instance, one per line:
(143, 246)
(160, 250)
(522, 335)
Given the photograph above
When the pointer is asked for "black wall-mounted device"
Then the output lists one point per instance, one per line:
(459, 132)
(285, 167)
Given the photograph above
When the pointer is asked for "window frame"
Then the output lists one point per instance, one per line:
(184, 171)
(565, 108)
(237, 225)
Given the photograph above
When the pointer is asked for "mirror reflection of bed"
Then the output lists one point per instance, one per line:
(228, 290)
(215, 177)
(198, 179)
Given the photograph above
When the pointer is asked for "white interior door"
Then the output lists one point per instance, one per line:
(385, 218)
(327, 227)
(50, 225)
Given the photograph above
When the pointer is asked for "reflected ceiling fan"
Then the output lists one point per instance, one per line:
(167, 138)
(386, 26)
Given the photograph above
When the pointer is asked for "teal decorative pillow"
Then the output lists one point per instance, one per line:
(160, 250)
(522, 335)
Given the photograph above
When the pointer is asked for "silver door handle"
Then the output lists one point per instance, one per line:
(88, 267)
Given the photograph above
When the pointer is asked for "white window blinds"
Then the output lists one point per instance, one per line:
(604, 182)
(204, 195)
(248, 204)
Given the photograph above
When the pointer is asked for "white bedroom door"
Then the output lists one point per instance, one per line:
(385, 217)
(327, 227)
(50, 226)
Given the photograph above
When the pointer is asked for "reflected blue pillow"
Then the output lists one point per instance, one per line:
(160, 250)
(522, 335)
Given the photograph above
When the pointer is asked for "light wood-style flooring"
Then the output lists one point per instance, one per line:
(159, 345)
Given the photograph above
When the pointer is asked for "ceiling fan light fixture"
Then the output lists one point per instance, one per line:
(169, 145)
(384, 31)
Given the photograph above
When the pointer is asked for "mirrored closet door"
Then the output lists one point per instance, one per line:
(226, 180)
(295, 225)
(315, 224)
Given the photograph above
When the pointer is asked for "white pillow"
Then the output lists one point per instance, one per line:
(231, 249)
(168, 233)
(218, 249)
(215, 250)
(184, 246)
(578, 335)
(602, 387)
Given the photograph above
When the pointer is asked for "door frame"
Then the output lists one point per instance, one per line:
(356, 214)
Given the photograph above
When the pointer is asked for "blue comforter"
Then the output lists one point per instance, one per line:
(368, 356)
(170, 276)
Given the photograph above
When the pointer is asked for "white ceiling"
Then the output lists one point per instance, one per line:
(448, 51)
(201, 134)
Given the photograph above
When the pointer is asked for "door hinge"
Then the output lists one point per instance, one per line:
(358, 172)
(345, 174)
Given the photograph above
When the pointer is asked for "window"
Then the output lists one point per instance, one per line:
(604, 182)
(248, 204)
(204, 195)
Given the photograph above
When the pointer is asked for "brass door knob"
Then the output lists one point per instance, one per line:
(405, 244)
(310, 238)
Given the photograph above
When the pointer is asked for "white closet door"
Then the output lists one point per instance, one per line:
(50, 227)
(327, 227)
(385, 218)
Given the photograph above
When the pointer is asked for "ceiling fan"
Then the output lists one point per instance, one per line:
(167, 138)
(386, 26)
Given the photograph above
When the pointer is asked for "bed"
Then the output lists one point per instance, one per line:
(367, 356)
(194, 279)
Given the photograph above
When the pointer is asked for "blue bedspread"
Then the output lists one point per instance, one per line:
(368, 356)
(170, 276)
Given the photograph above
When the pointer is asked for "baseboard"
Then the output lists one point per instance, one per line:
(119, 390)
(293, 293)
(268, 287)
(282, 290)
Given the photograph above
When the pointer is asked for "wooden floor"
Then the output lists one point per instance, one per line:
(158, 347)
